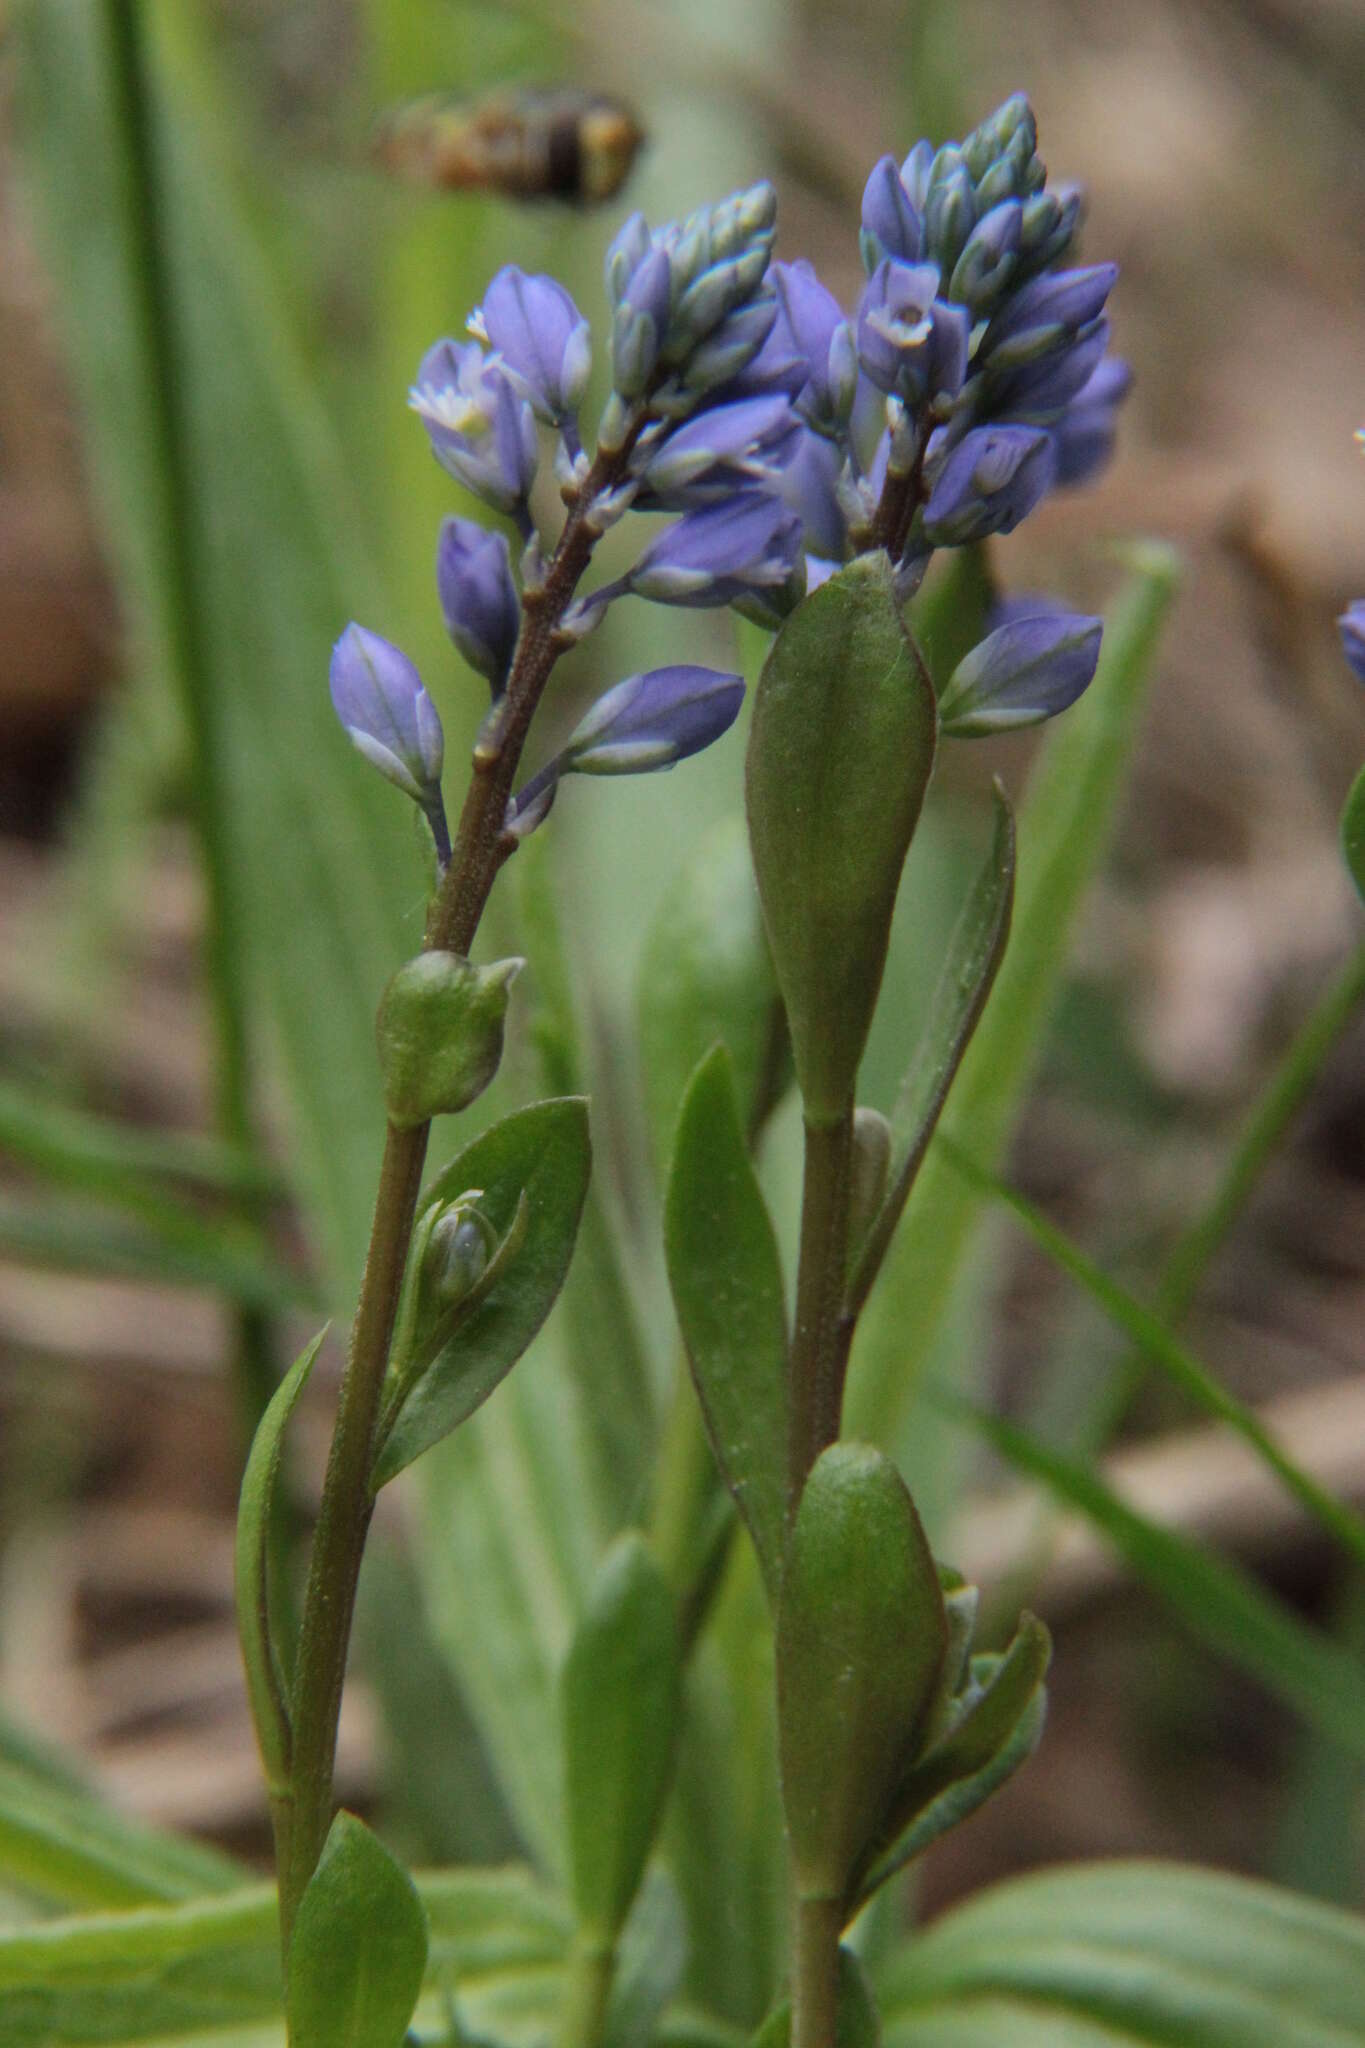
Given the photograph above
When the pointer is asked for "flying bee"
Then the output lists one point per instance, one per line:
(526, 142)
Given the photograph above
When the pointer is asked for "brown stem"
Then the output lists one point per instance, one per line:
(480, 847)
(818, 1350)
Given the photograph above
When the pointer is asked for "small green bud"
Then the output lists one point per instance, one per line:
(440, 1028)
(457, 1251)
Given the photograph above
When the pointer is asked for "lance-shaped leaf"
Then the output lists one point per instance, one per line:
(359, 1947)
(861, 1639)
(543, 1154)
(264, 1679)
(706, 976)
(994, 1725)
(726, 1277)
(974, 953)
(622, 1697)
(1353, 833)
(840, 755)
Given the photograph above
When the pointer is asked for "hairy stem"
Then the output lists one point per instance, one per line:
(480, 848)
(819, 1351)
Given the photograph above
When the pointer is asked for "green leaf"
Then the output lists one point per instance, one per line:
(164, 1242)
(609, 1363)
(121, 1161)
(1064, 831)
(964, 982)
(727, 1288)
(1148, 1955)
(842, 694)
(359, 1947)
(64, 1845)
(440, 1030)
(622, 1698)
(861, 1638)
(541, 1153)
(1353, 833)
(706, 977)
(264, 1675)
(1180, 1366)
(651, 1958)
(208, 1972)
(1219, 1602)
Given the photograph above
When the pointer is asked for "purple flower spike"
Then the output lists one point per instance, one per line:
(478, 597)
(891, 220)
(750, 542)
(717, 452)
(1085, 433)
(540, 339)
(910, 342)
(1034, 664)
(650, 721)
(480, 429)
(823, 340)
(389, 718)
(990, 481)
(1351, 626)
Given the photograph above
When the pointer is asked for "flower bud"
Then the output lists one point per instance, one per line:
(456, 1254)
(626, 251)
(478, 597)
(1035, 663)
(650, 721)
(640, 323)
(1084, 435)
(720, 552)
(891, 225)
(717, 452)
(389, 718)
(1049, 310)
(823, 340)
(983, 271)
(540, 339)
(990, 481)
(732, 353)
(949, 209)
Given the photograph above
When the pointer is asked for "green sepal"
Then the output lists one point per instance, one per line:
(857, 2025)
(539, 1159)
(440, 1028)
(706, 976)
(992, 1726)
(359, 1946)
(975, 951)
(840, 754)
(266, 1690)
(861, 1639)
(621, 1698)
(726, 1277)
(1353, 833)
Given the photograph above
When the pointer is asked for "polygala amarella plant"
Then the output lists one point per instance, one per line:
(769, 450)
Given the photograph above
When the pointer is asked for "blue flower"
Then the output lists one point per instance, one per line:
(822, 340)
(716, 453)
(911, 342)
(1085, 432)
(480, 429)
